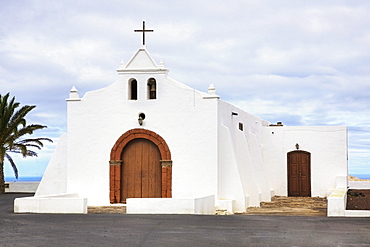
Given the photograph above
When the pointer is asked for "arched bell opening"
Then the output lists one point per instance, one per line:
(152, 88)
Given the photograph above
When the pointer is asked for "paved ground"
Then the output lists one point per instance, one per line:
(176, 230)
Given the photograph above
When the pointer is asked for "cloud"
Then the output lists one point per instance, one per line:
(299, 62)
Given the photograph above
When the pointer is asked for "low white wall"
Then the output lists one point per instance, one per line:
(337, 202)
(359, 185)
(357, 213)
(203, 205)
(56, 204)
(227, 205)
(22, 187)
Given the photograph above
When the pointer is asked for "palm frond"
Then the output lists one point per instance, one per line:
(29, 129)
(6, 111)
(37, 141)
(31, 153)
(27, 146)
(15, 169)
(24, 152)
(19, 117)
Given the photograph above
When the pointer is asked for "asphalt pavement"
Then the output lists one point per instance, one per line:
(176, 230)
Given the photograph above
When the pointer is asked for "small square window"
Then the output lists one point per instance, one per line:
(241, 126)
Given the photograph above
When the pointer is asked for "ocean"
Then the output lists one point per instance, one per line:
(23, 179)
(38, 179)
(361, 176)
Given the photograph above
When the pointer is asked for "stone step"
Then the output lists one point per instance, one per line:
(295, 202)
(280, 205)
(106, 210)
(221, 212)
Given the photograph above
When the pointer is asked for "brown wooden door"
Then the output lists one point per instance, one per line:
(299, 173)
(141, 170)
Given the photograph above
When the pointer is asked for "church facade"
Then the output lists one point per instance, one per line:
(159, 146)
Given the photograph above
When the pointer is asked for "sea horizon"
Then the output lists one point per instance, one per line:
(23, 179)
(361, 176)
(38, 178)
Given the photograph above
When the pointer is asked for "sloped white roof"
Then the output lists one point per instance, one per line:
(141, 62)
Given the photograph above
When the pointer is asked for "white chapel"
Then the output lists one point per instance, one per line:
(156, 145)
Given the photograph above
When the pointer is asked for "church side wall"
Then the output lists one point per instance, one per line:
(230, 185)
(328, 148)
(180, 115)
(241, 155)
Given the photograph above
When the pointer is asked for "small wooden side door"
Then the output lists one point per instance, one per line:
(299, 173)
(141, 170)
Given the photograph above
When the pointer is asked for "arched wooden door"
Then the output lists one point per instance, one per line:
(141, 170)
(299, 173)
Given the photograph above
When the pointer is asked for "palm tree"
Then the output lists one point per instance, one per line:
(13, 134)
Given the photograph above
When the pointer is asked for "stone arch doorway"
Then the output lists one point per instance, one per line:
(138, 148)
(299, 173)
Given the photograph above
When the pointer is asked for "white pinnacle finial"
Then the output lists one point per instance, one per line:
(211, 89)
(122, 65)
(74, 93)
(161, 64)
(211, 93)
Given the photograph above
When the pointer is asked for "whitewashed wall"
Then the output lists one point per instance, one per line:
(210, 155)
(328, 148)
(180, 115)
(54, 180)
(241, 168)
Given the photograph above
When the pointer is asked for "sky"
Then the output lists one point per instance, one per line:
(304, 63)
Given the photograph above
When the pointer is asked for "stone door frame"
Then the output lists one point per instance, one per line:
(299, 176)
(115, 162)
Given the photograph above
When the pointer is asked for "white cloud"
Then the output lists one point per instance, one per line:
(300, 62)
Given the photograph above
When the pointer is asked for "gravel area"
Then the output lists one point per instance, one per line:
(358, 199)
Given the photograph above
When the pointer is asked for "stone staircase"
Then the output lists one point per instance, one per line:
(281, 205)
(118, 209)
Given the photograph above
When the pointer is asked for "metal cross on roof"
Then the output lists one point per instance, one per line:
(143, 31)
